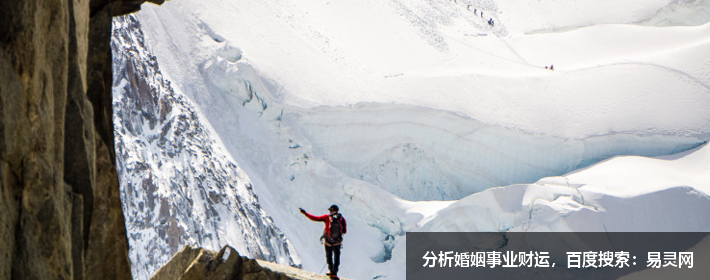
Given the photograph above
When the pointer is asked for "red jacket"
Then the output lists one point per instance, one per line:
(326, 219)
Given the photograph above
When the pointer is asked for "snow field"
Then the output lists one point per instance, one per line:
(368, 103)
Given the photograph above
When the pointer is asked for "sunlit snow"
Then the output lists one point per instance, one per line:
(420, 116)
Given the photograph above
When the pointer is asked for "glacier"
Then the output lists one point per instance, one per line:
(412, 116)
(444, 156)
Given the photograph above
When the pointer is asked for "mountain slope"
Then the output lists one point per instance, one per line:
(179, 186)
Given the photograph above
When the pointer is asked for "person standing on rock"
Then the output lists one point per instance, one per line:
(335, 228)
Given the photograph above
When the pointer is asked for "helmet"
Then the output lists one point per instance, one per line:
(334, 207)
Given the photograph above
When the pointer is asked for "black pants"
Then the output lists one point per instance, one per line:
(330, 253)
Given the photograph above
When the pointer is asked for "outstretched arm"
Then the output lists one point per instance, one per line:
(314, 218)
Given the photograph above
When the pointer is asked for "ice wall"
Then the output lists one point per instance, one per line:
(425, 154)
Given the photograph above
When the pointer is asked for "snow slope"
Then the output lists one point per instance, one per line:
(377, 59)
(627, 193)
(410, 113)
(600, 88)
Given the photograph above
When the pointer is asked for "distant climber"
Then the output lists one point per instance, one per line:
(491, 22)
(335, 228)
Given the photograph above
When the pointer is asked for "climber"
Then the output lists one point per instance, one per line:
(335, 228)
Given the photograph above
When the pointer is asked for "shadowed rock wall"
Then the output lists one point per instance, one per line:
(60, 209)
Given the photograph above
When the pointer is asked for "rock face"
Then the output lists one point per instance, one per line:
(198, 264)
(178, 185)
(60, 209)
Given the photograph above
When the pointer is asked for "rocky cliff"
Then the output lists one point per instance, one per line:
(60, 209)
(179, 186)
(198, 264)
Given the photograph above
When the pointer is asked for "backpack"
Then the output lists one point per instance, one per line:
(336, 229)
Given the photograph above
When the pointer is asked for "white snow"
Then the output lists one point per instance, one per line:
(179, 186)
(419, 116)
(627, 193)
(681, 12)
(530, 16)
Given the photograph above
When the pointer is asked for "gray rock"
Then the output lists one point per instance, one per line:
(227, 264)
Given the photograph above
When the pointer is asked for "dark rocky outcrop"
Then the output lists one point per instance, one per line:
(200, 264)
(60, 209)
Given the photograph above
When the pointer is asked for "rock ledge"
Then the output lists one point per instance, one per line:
(197, 264)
